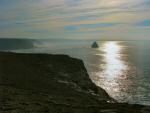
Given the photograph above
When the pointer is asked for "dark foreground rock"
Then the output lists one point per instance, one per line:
(42, 83)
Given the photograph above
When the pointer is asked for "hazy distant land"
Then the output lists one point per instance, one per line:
(15, 43)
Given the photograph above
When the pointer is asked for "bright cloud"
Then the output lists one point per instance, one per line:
(75, 18)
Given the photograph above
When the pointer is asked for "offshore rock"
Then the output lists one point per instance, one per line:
(95, 45)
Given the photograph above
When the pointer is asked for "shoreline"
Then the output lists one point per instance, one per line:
(61, 82)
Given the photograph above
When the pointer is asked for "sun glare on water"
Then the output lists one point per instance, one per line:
(113, 65)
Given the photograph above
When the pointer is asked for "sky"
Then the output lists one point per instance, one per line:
(75, 19)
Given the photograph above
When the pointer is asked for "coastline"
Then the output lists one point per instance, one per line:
(45, 83)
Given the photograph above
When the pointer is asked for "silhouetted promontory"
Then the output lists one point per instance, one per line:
(44, 83)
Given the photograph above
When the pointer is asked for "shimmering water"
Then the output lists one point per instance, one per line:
(122, 68)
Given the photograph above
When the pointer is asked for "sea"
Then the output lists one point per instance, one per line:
(122, 68)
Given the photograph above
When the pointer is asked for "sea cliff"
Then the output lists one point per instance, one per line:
(44, 83)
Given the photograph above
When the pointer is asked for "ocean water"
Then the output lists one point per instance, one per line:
(122, 68)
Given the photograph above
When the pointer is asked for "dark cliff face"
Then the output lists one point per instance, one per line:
(42, 83)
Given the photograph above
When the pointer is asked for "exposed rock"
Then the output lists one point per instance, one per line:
(95, 45)
(42, 83)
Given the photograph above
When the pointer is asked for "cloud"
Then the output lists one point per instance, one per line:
(54, 18)
(144, 23)
(91, 26)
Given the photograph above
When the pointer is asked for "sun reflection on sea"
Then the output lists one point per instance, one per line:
(113, 65)
(113, 68)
